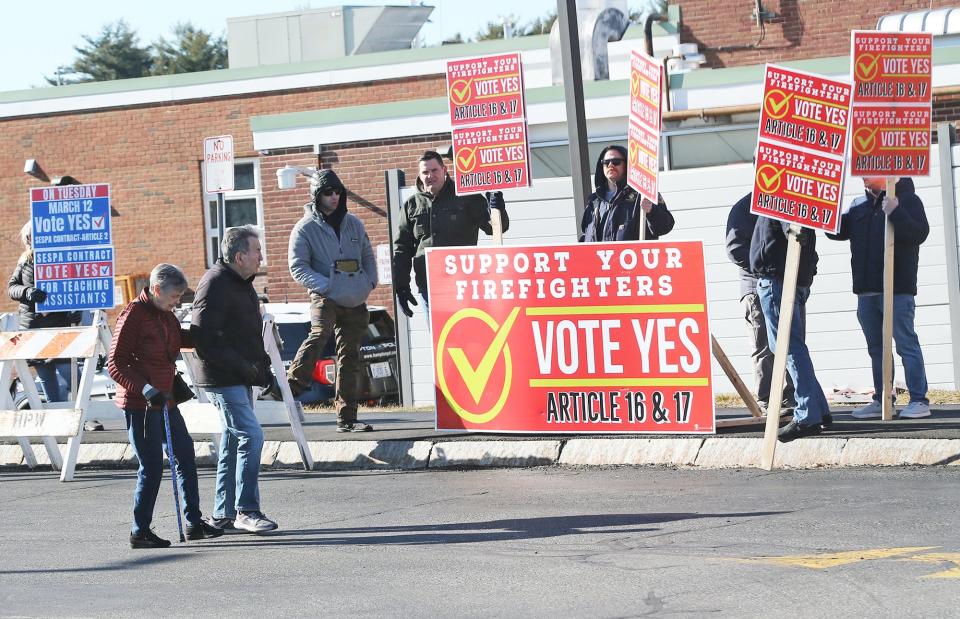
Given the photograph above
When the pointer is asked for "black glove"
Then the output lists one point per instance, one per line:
(250, 374)
(495, 200)
(404, 298)
(264, 376)
(154, 396)
(35, 295)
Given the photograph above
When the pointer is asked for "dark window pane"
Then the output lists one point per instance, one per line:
(241, 212)
(243, 176)
(697, 150)
(214, 221)
(214, 249)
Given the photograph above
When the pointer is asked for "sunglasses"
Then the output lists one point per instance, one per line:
(329, 191)
(610, 162)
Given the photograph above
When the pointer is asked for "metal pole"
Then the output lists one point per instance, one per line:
(573, 94)
(395, 179)
(221, 214)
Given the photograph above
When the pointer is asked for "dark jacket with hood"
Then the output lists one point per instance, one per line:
(864, 225)
(319, 241)
(768, 251)
(619, 220)
(740, 225)
(444, 220)
(20, 285)
(226, 328)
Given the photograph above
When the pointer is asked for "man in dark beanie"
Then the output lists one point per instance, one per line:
(331, 256)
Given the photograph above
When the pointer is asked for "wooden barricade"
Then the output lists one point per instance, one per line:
(51, 420)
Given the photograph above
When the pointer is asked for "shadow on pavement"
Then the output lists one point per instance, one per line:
(472, 532)
(129, 564)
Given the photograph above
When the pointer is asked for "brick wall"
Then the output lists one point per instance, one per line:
(804, 28)
(151, 155)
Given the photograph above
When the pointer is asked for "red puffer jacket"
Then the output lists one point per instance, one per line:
(144, 350)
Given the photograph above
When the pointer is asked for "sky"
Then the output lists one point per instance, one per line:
(43, 36)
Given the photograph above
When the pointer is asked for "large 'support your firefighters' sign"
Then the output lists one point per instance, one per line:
(572, 338)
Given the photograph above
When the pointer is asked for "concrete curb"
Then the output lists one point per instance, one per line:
(693, 452)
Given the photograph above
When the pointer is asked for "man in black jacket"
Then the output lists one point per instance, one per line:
(864, 225)
(768, 257)
(436, 216)
(740, 225)
(612, 210)
(226, 328)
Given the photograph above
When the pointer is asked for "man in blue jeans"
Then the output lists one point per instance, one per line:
(864, 225)
(768, 256)
(226, 328)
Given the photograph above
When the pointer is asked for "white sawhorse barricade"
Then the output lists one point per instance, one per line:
(51, 420)
(202, 417)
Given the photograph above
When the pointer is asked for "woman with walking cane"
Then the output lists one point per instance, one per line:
(142, 360)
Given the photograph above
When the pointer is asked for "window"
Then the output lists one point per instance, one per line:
(243, 205)
(711, 146)
(552, 159)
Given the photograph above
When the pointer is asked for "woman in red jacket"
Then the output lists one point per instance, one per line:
(143, 356)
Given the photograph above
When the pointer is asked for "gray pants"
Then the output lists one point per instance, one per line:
(760, 352)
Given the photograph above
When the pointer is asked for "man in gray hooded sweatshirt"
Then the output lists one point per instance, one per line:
(331, 256)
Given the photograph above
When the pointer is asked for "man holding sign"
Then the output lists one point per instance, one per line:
(864, 226)
(436, 216)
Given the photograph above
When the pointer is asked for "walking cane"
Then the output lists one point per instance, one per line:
(173, 471)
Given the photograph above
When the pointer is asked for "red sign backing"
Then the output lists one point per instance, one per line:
(891, 141)
(798, 187)
(892, 67)
(490, 157)
(806, 110)
(572, 338)
(643, 125)
(643, 149)
(484, 90)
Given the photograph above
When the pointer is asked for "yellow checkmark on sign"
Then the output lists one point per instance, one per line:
(768, 178)
(476, 378)
(466, 159)
(868, 67)
(864, 139)
(777, 103)
(460, 91)
(635, 84)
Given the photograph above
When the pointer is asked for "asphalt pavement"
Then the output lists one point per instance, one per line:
(536, 542)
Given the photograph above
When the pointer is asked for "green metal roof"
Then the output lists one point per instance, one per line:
(439, 52)
(416, 107)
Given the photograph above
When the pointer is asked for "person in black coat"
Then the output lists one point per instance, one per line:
(740, 225)
(22, 288)
(612, 211)
(864, 225)
(768, 257)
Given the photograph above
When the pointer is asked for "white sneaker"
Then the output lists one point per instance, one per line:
(873, 410)
(915, 410)
(254, 522)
